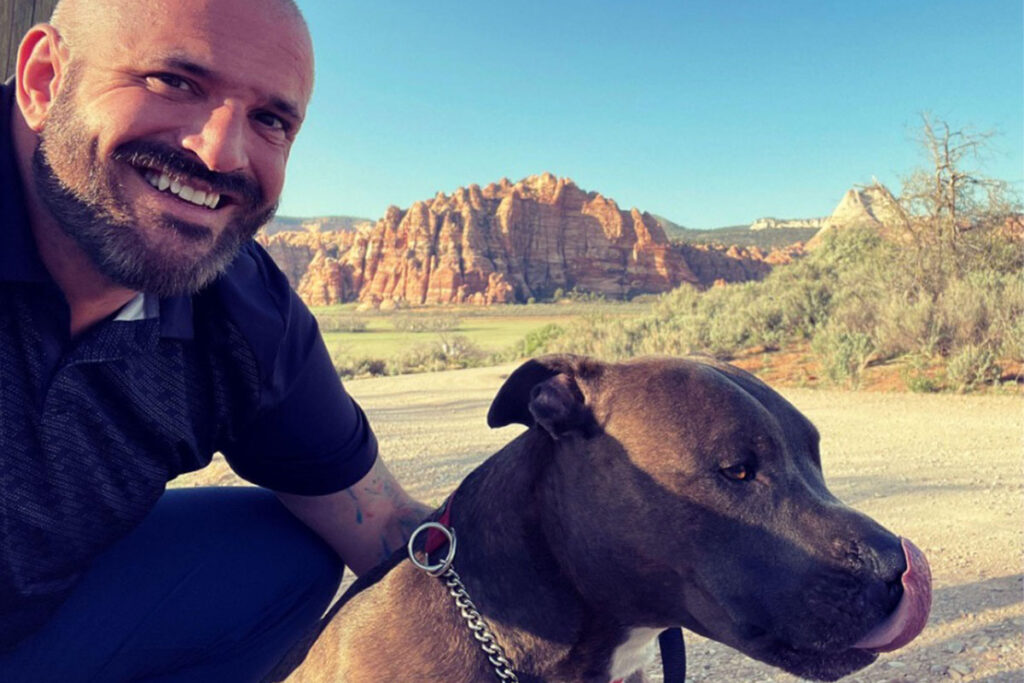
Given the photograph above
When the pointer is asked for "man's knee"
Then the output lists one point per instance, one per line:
(218, 582)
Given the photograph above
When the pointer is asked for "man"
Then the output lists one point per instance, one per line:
(142, 143)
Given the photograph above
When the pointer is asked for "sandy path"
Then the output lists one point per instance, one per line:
(945, 471)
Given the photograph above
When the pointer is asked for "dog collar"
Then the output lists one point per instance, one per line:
(435, 537)
(437, 533)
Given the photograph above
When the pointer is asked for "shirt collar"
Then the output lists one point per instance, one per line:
(19, 259)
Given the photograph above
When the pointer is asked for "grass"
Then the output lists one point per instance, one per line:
(493, 329)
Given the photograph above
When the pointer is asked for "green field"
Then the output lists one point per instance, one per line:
(380, 339)
(352, 335)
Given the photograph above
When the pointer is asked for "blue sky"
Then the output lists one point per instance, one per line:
(708, 113)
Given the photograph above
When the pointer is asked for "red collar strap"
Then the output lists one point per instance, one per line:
(436, 539)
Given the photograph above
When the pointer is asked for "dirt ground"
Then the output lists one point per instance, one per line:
(945, 471)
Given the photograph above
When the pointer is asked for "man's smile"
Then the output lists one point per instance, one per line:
(183, 189)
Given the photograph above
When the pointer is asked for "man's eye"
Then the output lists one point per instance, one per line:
(272, 121)
(171, 81)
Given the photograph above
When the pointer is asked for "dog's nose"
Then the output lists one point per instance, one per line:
(908, 618)
(886, 561)
(885, 594)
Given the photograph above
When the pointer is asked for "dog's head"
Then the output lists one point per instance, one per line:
(685, 492)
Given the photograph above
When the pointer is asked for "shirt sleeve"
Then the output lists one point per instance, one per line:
(308, 436)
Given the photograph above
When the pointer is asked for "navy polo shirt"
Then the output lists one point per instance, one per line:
(92, 427)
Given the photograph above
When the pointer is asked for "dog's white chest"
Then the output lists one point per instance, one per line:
(634, 653)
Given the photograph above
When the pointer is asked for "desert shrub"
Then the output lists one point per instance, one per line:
(447, 352)
(727, 331)
(1009, 322)
(844, 353)
(341, 323)
(916, 376)
(598, 335)
(536, 342)
(360, 367)
(459, 351)
(906, 325)
(425, 323)
(584, 296)
(971, 367)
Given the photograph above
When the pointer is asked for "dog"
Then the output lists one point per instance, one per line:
(654, 493)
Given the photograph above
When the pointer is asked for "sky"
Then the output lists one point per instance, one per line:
(708, 113)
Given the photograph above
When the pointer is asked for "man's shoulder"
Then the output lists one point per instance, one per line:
(252, 285)
(253, 302)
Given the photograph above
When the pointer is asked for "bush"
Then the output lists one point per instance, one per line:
(844, 353)
(360, 367)
(425, 323)
(535, 342)
(447, 352)
(972, 367)
(916, 376)
(341, 323)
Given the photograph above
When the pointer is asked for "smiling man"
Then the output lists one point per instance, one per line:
(142, 144)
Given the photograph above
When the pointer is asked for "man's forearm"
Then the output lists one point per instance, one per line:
(366, 522)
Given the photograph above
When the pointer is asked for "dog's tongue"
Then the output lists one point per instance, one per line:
(910, 615)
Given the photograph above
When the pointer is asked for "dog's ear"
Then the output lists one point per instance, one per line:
(546, 392)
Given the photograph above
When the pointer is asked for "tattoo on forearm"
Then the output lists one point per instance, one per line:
(355, 501)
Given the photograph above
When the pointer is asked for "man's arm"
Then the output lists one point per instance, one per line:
(366, 522)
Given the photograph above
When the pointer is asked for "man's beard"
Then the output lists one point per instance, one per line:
(82, 194)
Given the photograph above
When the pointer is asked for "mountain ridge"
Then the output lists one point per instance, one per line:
(514, 242)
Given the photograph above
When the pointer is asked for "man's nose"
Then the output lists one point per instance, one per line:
(220, 139)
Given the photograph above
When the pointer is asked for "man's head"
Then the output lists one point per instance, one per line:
(164, 128)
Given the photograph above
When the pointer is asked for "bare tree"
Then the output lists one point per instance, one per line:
(949, 213)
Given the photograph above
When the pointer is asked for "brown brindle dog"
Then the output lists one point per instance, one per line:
(648, 494)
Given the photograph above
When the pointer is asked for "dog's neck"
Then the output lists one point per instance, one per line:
(511, 573)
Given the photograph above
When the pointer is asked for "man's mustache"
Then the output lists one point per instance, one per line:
(163, 157)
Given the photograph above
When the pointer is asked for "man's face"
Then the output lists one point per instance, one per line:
(165, 148)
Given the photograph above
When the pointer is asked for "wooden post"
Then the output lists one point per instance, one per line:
(16, 16)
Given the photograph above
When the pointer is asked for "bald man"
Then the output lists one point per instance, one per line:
(142, 144)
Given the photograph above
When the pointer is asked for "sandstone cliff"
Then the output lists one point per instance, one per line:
(504, 243)
(499, 244)
(716, 264)
(311, 262)
(873, 206)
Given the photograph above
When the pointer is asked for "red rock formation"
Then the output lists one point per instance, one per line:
(326, 281)
(311, 262)
(294, 250)
(507, 243)
(504, 243)
(716, 265)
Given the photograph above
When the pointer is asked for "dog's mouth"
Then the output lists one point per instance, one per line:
(899, 628)
(911, 614)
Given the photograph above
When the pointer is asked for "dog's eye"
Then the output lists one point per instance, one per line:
(739, 472)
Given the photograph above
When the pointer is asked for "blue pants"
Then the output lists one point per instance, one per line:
(215, 584)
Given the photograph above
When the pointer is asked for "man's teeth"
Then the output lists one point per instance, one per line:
(163, 182)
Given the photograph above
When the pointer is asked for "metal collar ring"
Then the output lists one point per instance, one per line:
(441, 567)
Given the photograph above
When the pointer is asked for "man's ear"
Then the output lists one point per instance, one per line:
(42, 65)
